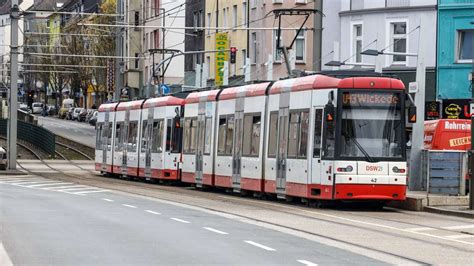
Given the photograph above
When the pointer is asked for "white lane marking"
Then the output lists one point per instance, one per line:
(215, 231)
(108, 200)
(63, 187)
(419, 229)
(153, 212)
(45, 185)
(181, 221)
(457, 227)
(4, 258)
(25, 184)
(16, 179)
(259, 245)
(74, 189)
(20, 180)
(308, 263)
(130, 206)
(460, 236)
(93, 191)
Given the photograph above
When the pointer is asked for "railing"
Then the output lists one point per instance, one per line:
(33, 134)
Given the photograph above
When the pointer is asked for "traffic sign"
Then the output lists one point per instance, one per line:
(413, 87)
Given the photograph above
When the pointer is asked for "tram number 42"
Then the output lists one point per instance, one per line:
(373, 180)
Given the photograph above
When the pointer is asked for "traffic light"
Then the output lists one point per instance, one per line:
(233, 52)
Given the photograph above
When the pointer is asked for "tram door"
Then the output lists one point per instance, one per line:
(237, 151)
(148, 135)
(200, 135)
(125, 141)
(104, 134)
(282, 150)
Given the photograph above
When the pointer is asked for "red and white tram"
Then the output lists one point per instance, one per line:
(315, 137)
(104, 128)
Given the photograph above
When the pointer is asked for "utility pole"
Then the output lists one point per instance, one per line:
(118, 52)
(317, 36)
(12, 100)
(471, 161)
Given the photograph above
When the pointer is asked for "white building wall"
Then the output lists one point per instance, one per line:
(376, 27)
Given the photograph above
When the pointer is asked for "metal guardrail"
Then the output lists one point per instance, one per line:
(33, 134)
(444, 172)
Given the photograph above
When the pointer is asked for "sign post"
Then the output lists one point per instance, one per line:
(221, 57)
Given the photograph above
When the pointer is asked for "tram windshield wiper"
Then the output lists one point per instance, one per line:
(368, 158)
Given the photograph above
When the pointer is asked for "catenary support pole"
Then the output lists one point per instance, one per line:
(13, 95)
(118, 52)
(415, 179)
(317, 35)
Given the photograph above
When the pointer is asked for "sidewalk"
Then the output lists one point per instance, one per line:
(442, 204)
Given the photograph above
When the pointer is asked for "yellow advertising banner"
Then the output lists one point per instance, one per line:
(222, 44)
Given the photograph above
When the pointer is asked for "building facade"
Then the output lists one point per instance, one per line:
(455, 48)
(158, 14)
(132, 48)
(4, 40)
(194, 40)
(389, 25)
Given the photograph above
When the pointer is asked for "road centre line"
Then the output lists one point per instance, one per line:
(307, 263)
(457, 227)
(419, 229)
(460, 236)
(74, 189)
(93, 191)
(16, 179)
(32, 183)
(20, 180)
(129, 206)
(108, 200)
(215, 231)
(43, 185)
(153, 212)
(259, 245)
(64, 187)
(180, 220)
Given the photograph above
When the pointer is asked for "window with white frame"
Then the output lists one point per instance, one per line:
(399, 41)
(357, 42)
(244, 13)
(300, 46)
(208, 23)
(465, 47)
(195, 20)
(201, 18)
(224, 17)
(254, 48)
(234, 16)
(253, 4)
(276, 51)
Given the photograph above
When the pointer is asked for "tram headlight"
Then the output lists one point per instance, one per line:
(398, 170)
(345, 169)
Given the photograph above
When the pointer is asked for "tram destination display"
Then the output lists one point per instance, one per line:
(370, 99)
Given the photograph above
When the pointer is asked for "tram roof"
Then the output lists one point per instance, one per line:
(132, 105)
(202, 96)
(163, 101)
(312, 82)
(371, 83)
(107, 107)
(251, 90)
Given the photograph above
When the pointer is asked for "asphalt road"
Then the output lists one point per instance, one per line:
(78, 131)
(43, 223)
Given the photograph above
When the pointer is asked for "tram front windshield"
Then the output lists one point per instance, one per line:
(371, 126)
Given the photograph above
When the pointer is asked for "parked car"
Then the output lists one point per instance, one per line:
(76, 112)
(90, 112)
(52, 110)
(37, 108)
(25, 108)
(83, 115)
(93, 119)
(69, 113)
(3, 159)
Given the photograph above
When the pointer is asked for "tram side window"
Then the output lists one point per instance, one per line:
(98, 137)
(208, 134)
(298, 134)
(145, 138)
(226, 135)
(193, 137)
(251, 142)
(109, 136)
(157, 143)
(169, 134)
(221, 135)
(329, 140)
(177, 134)
(132, 136)
(118, 137)
(272, 135)
(318, 122)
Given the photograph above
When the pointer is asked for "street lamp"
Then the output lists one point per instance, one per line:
(372, 52)
(344, 63)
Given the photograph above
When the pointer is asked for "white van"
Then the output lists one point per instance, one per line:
(37, 108)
